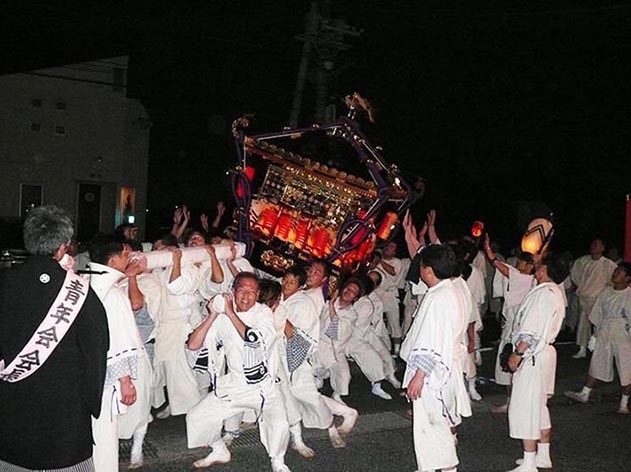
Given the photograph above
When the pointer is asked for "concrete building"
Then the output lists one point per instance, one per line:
(69, 136)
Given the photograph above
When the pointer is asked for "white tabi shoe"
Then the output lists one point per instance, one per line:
(336, 440)
(136, 460)
(302, 449)
(540, 462)
(579, 397)
(164, 413)
(524, 468)
(380, 392)
(278, 465)
(473, 393)
(220, 455)
(350, 418)
(394, 382)
(581, 354)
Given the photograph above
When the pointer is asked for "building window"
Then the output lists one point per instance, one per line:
(60, 106)
(37, 102)
(35, 127)
(60, 130)
(31, 196)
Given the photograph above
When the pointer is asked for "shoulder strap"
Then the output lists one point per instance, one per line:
(55, 325)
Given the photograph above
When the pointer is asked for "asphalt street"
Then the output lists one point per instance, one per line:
(586, 438)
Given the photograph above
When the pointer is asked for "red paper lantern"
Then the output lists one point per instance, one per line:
(249, 172)
(362, 233)
(302, 232)
(267, 220)
(320, 242)
(477, 229)
(284, 226)
(387, 225)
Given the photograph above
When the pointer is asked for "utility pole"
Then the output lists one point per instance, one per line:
(322, 41)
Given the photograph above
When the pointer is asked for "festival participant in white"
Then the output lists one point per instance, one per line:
(533, 363)
(336, 326)
(146, 294)
(244, 338)
(393, 273)
(127, 359)
(433, 375)
(211, 274)
(377, 324)
(590, 274)
(515, 283)
(181, 281)
(302, 399)
(475, 281)
(318, 273)
(611, 318)
(47, 401)
(368, 350)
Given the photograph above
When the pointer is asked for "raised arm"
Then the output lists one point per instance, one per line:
(501, 266)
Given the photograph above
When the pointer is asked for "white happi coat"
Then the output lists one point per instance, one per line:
(330, 350)
(302, 399)
(388, 291)
(472, 316)
(590, 277)
(611, 315)
(538, 321)
(249, 383)
(173, 330)
(513, 289)
(366, 347)
(434, 340)
(125, 343)
(331, 355)
(317, 297)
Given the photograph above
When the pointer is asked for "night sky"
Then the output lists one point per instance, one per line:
(503, 107)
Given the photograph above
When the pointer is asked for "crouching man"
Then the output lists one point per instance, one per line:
(240, 336)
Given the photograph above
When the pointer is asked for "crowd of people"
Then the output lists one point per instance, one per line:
(229, 346)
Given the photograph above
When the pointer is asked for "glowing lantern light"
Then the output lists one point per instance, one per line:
(249, 172)
(267, 220)
(477, 229)
(302, 231)
(320, 241)
(387, 225)
(537, 235)
(285, 225)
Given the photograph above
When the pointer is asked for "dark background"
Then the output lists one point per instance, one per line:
(505, 108)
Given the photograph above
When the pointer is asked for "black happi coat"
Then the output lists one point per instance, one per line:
(45, 419)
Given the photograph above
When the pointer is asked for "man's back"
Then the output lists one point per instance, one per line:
(45, 418)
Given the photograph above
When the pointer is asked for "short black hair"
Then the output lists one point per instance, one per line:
(244, 275)
(626, 266)
(299, 273)
(380, 277)
(357, 281)
(369, 285)
(168, 240)
(441, 258)
(269, 291)
(102, 246)
(324, 263)
(557, 267)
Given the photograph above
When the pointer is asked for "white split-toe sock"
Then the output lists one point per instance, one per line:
(220, 455)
